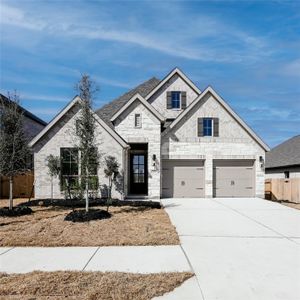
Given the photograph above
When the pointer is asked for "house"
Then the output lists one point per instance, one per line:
(283, 161)
(23, 183)
(170, 139)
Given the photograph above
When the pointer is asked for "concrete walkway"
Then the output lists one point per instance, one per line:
(133, 259)
(239, 248)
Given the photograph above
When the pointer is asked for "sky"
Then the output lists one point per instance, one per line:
(248, 51)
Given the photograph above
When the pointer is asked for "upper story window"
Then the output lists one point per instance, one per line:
(207, 127)
(137, 121)
(176, 100)
(175, 96)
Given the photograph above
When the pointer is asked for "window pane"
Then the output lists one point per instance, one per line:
(135, 178)
(141, 169)
(135, 159)
(141, 178)
(135, 169)
(141, 159)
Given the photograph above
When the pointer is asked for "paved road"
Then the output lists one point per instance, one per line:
(239, 248)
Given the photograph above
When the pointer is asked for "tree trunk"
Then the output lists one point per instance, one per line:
(109, 194)
(87, 191)
(51, 188)
(10, 192)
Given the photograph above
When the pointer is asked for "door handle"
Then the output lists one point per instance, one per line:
(232, 182)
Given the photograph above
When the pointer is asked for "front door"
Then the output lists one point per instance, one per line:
(138, 174)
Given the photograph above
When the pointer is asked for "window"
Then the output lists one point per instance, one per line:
(137, 121)
(207, 127)
(286, 174)
(175, 97)
(69, 166)
(138, 168)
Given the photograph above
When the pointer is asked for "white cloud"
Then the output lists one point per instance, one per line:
(189, 41)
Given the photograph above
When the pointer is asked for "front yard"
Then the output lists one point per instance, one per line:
(88, 285)
(128, 226)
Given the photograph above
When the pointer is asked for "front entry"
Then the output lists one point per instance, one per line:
(138, 173)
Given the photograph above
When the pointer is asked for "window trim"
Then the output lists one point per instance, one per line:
(179, 100)
(212, 127)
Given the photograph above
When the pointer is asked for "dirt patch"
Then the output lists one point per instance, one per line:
(88, 285)
(127, 226)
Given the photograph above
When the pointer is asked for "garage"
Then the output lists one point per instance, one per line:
(233, 178)
(183, 178)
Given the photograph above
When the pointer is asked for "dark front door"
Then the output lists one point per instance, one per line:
(138, 173)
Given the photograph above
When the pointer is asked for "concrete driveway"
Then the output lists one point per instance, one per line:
(240, 248)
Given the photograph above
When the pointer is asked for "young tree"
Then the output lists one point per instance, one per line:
(53, 164)
(14, 152)
(111, 171)
(85, 131)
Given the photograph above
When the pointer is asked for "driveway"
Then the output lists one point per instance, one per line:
(240, 248)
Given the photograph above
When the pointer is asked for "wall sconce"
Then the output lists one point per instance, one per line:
(154, 162)
(262, 162)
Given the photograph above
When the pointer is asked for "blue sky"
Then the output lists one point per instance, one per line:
(249, 51)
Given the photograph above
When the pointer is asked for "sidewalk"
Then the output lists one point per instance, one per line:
(133, 259)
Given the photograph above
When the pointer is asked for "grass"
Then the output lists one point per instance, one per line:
(127, 226)
(88, 285)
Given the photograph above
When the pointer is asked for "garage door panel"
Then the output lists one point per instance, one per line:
(233, 178)
(183, 178)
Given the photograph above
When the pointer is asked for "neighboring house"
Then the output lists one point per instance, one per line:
(32, 126)
(170, 139)
(283, 161)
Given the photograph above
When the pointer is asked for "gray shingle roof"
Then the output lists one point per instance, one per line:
(285, 154)
(109, 109)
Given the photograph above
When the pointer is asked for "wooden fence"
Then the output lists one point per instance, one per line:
(283, 189)
(22, 186)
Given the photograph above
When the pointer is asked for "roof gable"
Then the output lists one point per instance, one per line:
(168, 77)
(211, 91)
(144, 102)
(60, 115)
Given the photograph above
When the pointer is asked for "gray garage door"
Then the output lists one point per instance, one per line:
(233, 178)
(183, 178)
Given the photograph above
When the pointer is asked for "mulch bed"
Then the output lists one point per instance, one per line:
(15, 212)
(85, 216)
(92, 202)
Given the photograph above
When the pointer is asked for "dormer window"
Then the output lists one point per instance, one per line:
(176, 97)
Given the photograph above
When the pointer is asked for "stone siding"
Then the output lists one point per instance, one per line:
(63, 135)
(182, 142)
(159, 99)
(148, 133)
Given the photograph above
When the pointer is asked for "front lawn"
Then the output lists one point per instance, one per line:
(88, 285)
(128, 225)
